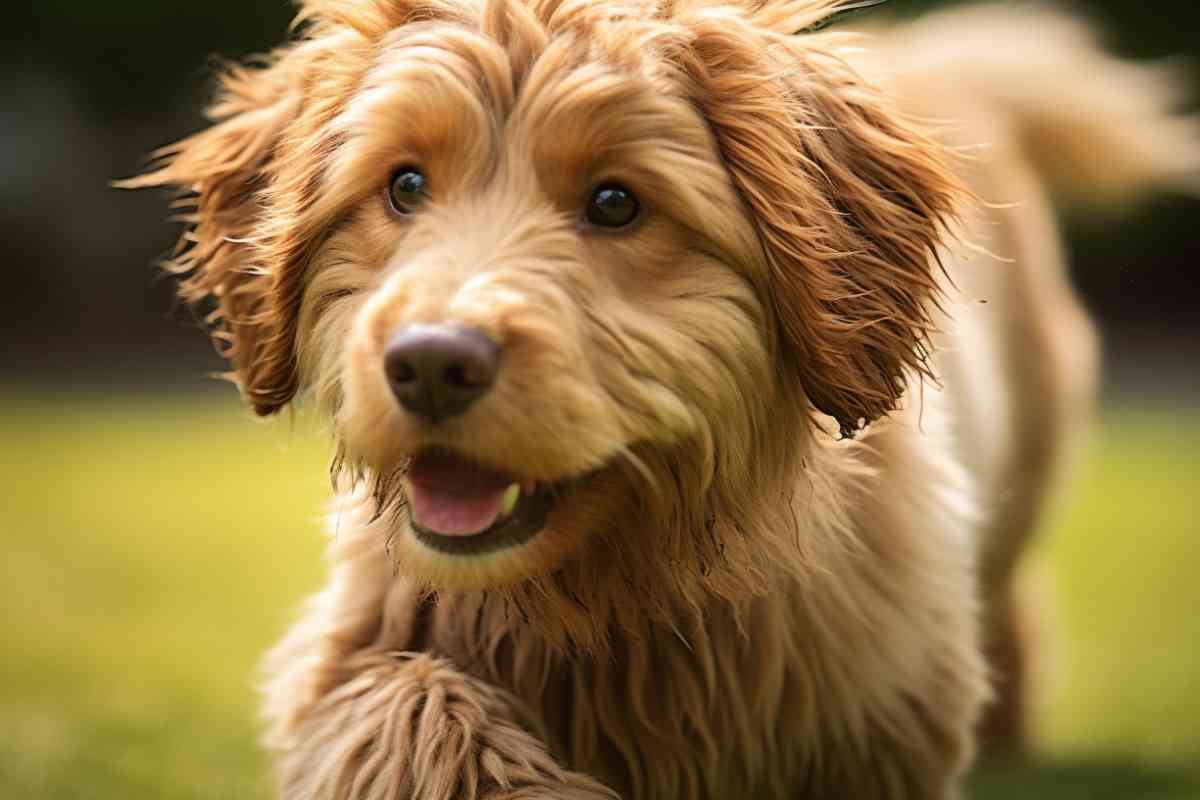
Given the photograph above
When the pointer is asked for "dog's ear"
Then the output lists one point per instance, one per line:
(220, 173)
(850, 201)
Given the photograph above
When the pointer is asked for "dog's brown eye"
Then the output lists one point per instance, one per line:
(612, 206)
(409, 189)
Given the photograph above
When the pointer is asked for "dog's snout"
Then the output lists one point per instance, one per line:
(438, 371)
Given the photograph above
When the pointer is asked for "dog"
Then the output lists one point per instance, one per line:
(697, 376)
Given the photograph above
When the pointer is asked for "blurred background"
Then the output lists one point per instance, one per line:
(155, 539)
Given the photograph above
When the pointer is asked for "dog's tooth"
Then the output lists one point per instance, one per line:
(511, 495)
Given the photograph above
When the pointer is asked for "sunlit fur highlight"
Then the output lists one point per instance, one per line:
(759, 577)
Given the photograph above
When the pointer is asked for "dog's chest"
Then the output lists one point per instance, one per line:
(710, 714)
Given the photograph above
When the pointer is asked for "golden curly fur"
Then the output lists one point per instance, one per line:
(758, 578)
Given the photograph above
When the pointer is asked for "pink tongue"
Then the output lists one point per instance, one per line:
(452, 496)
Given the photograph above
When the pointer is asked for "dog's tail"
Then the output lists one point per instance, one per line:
(1099, 129)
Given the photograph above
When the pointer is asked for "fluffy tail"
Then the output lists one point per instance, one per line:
(1098, 128)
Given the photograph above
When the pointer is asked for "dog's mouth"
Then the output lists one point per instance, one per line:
(460, 507)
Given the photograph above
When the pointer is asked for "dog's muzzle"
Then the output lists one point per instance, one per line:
(457, 505)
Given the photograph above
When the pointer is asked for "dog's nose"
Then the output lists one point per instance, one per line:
(438, 371)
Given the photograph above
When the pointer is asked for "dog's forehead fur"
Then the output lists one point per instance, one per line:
(577, 83)
(453, 101)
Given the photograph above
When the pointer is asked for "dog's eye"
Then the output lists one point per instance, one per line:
(408, 189)
(612, 206)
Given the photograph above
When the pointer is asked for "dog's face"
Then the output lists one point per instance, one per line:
(560, 269)
(546, 268)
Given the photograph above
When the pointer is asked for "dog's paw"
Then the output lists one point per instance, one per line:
(408, 726)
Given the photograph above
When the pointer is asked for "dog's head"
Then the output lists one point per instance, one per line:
(565, 271)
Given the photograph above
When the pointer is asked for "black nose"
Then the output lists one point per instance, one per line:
(437, 371)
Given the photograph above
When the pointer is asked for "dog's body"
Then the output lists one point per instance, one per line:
(720, 596)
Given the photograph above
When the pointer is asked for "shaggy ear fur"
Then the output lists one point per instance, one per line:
(220, 172)
(850, 202)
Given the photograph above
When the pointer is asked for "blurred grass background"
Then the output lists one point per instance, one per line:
(154, 540)
(155, 545)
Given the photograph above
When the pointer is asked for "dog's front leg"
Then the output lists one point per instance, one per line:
(409, 725)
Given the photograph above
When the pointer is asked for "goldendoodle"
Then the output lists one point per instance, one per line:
(697, 374)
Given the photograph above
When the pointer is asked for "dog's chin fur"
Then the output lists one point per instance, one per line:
(731, 594)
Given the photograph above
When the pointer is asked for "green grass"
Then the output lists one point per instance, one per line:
(154, 547)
